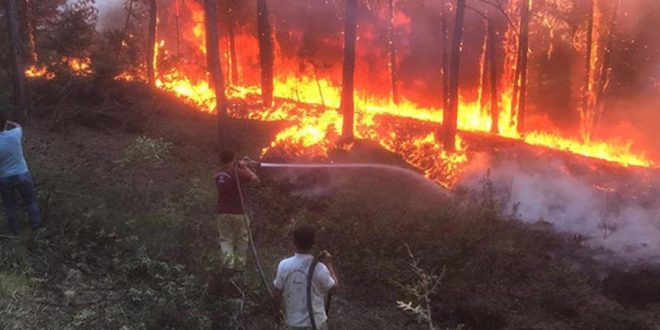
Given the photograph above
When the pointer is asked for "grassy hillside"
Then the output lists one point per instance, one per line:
(124, 177)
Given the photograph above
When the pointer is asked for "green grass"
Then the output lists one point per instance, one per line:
(13, 284)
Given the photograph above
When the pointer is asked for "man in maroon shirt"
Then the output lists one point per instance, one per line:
(232, 232)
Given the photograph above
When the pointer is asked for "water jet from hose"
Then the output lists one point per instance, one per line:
(361, 166)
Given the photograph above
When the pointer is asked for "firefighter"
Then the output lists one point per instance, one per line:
(304, 302)
(231, 218)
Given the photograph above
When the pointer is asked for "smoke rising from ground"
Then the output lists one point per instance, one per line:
(616, 216)
(619, 227)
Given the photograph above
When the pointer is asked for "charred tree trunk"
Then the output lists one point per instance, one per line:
(213, 63)
(451, 113)
(394, 68)
(524, 54)
(28, 22)
(232, 49)
(494, 110)
(445, 60)
(16, 54)
(129, 13)
(589, 46)
(177, 22)
(265, 52)
(586, 111)
(151, 40)
(225, 58)
(483, 67)
(605, 71)
(318, 84)
(348, 79)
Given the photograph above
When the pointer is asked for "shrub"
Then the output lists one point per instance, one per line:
(145, 151)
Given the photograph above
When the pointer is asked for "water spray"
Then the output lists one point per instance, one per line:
(246, 161)
(355, 166)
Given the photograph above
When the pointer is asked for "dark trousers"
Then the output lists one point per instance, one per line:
(23, 184)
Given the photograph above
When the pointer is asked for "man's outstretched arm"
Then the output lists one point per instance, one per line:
(246, 174)
(13, 124)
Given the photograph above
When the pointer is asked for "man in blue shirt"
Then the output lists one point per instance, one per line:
(14, 176)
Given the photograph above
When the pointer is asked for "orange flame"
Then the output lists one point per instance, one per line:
(309, 97)
(78, 66)
(38, 72)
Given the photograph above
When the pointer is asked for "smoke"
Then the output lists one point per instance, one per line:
(618, 218)
(613, 212)
(111, 14)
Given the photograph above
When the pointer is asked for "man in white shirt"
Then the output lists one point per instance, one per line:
(291, 283)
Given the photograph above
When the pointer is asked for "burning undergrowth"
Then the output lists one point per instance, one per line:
(307, 78)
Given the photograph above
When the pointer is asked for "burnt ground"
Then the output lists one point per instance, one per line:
(123, 178)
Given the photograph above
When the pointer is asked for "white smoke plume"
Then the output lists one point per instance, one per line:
(620, 226)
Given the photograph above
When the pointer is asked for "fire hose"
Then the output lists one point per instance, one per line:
(310, 306)
(249, 232)
(312, 266)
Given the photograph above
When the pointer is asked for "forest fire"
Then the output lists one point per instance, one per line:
(401, 118)
(178, 150)
(38, 72)
(77, 66)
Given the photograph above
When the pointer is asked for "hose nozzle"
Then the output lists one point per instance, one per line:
(249, 162)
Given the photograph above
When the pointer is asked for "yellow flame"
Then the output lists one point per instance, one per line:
(311, 104)
(34, 71)
(79, 66)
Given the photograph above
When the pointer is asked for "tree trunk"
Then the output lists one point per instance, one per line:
(606, 70)
(16, 54)
(494, 110)
(151, 40)
(29, 25)
(129, 13)
(394, 69)
(586, 111)
(524, 54)
(177, 22)
(225, 58)
(450, 116)
(232, 49)
(213, 63)
(483, 62)
(318, 84)
(445, 60)
(348, 79)
(265, 52)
